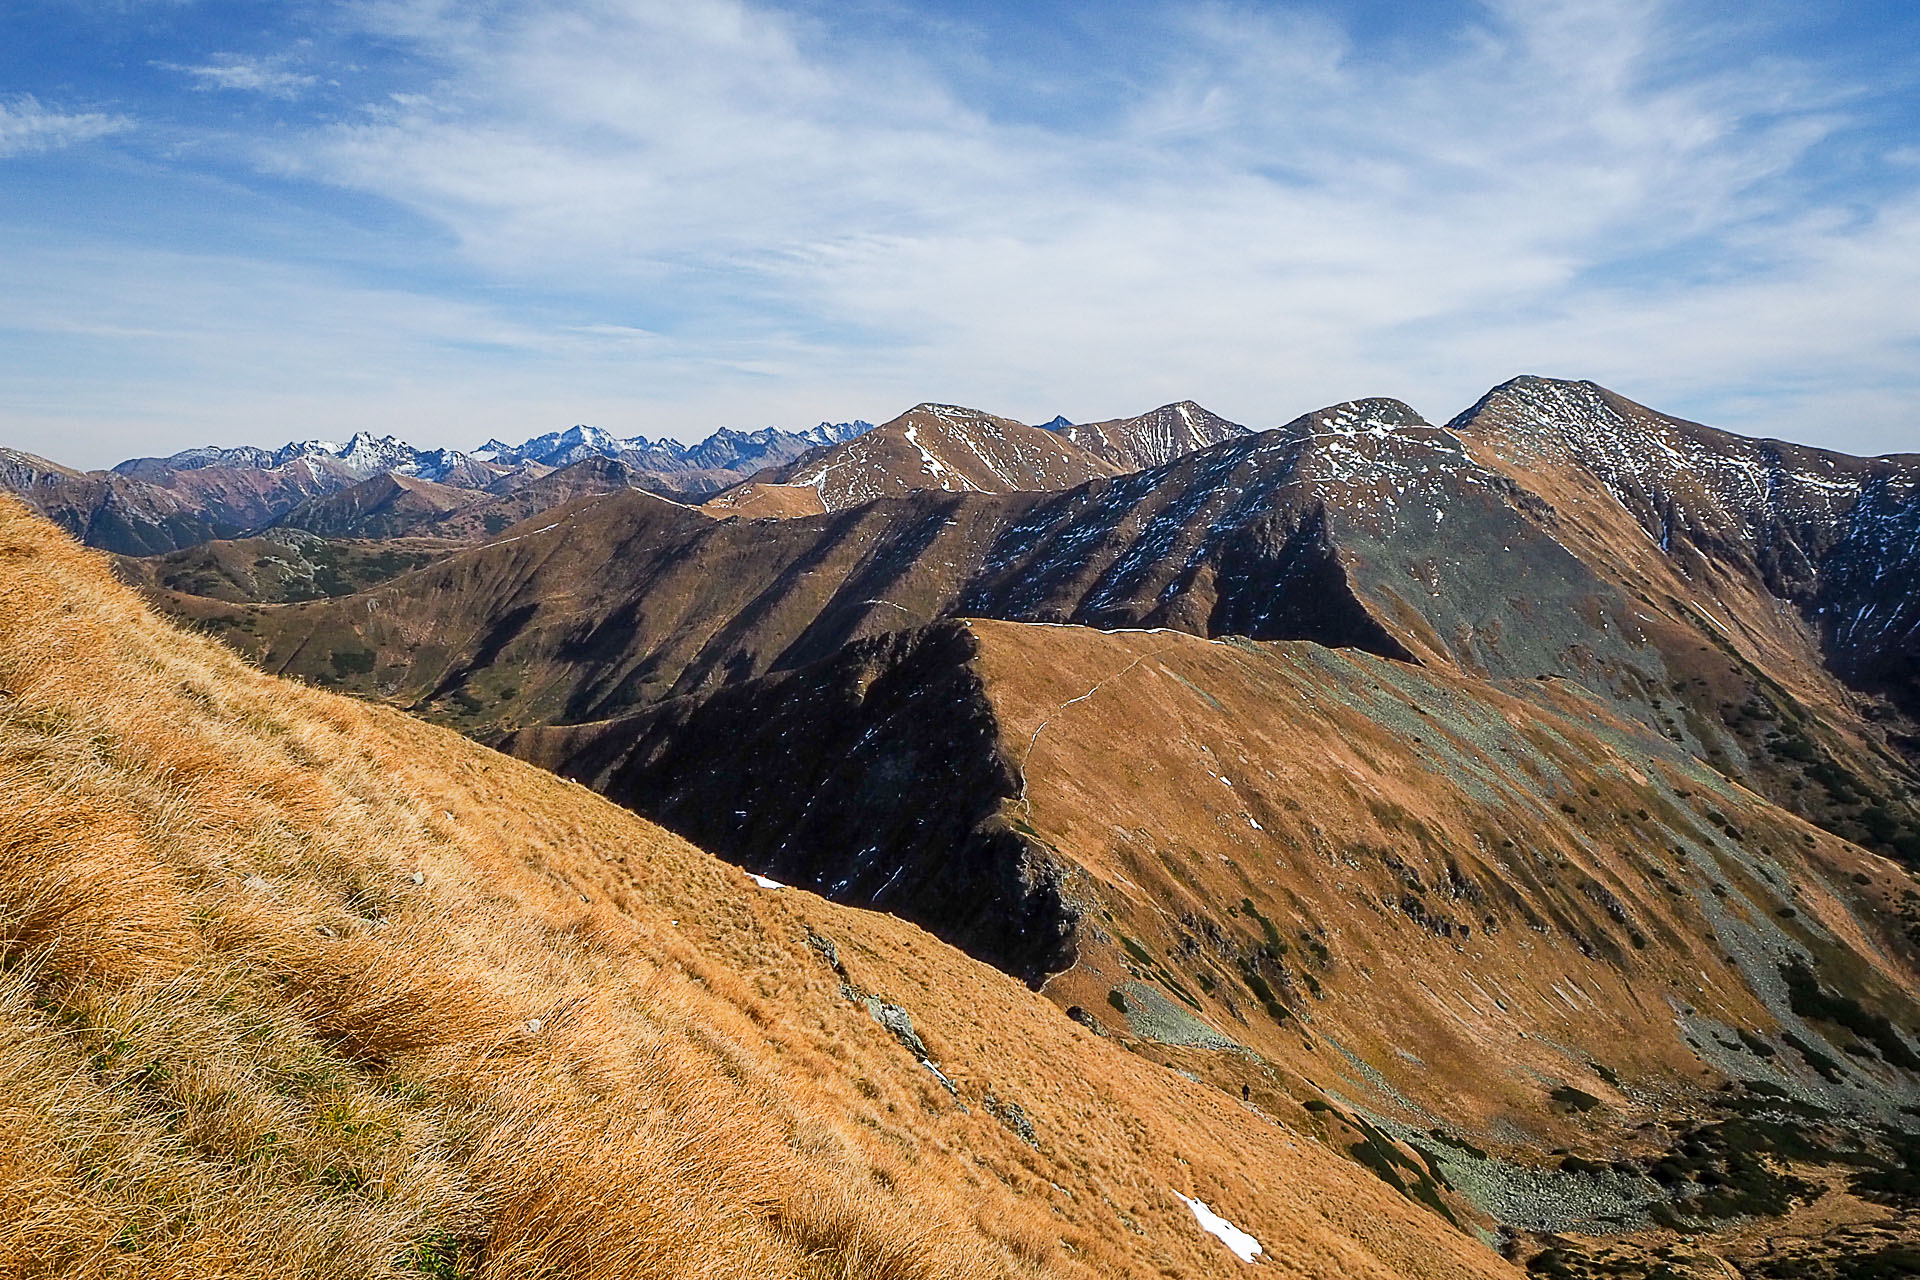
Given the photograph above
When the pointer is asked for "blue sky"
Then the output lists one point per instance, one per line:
(251, 222)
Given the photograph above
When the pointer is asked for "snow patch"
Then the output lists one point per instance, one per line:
(764, 882)
(1244, 1246)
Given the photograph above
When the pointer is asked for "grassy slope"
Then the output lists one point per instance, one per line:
(1353, 802)
(1332, 788)
(298, 986)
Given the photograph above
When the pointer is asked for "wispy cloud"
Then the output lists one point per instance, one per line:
(677, 214)
(267, 76)
(27, 127)
(1276, 216)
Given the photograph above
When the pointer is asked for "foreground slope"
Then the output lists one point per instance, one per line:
(296, 985)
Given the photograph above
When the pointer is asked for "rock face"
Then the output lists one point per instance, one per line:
(1152, 438)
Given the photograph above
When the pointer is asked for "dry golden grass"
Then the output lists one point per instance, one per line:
(295, 986)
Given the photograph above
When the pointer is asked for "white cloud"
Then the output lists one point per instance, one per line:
(728, 215)
(266, 76)
(1276, 217)
(27, 127)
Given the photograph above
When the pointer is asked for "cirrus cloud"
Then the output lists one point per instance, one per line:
(27, 127)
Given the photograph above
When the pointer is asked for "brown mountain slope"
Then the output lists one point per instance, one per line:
(297, 986)
(394, 506)
(1155, 437)
(1428, 902)
(931, 446)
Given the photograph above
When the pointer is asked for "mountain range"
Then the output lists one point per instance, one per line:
(149, 505)
(1525, 809)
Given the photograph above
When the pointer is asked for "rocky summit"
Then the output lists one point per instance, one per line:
(1457, 848)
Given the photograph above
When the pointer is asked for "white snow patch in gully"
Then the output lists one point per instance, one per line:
(1244, 1246)
(764, 882)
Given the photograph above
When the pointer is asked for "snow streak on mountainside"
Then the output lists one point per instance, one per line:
(1836, 537)
(931, 446)
(148, 506)
(1152, 438)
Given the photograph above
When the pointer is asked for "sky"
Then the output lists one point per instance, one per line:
(251, 221)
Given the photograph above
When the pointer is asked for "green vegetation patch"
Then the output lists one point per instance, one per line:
(1810, 1000)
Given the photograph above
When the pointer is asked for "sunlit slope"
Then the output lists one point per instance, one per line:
(299, 986)
(1453, 871)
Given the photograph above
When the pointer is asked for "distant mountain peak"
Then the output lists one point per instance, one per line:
(1377, 416)
(1152, 438)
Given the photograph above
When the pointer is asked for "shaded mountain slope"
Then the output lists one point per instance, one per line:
(1152, 438)
(384, 506)
(875, 773)
(298, 986)
(282, 566)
